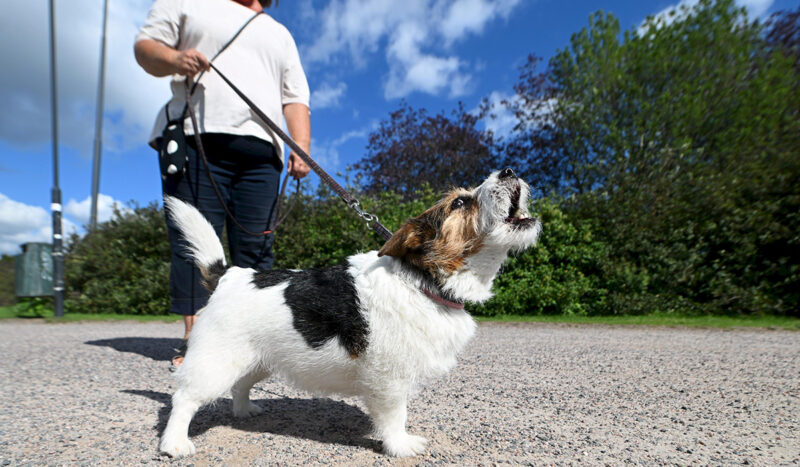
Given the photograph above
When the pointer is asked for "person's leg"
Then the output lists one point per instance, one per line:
(188, 322)
(186, 290)
(254, 193)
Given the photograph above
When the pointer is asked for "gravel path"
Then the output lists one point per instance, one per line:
(98, 393)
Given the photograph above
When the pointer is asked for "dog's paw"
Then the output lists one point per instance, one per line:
(251, 410)
(404, 445)
(177, 448)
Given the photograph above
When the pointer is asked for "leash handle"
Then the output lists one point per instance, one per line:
(197, 81)
(351, 201)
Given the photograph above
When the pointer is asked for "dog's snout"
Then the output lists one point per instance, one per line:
(507, 172)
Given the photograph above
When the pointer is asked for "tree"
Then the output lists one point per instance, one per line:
(681, 139)
(783, 33)
(412, 149)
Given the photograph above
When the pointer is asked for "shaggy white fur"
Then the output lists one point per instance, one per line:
(247, 333)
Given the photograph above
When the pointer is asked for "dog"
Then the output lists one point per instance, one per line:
(376, 327)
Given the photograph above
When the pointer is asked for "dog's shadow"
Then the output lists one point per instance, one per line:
(156, 348)
(323, 420)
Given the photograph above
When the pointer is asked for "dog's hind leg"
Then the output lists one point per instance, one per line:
(203, 377)
(242, 406)
(175, 440)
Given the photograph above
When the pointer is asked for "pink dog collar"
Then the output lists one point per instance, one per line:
(442, 301)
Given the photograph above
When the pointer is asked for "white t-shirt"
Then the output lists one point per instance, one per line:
(263, 62)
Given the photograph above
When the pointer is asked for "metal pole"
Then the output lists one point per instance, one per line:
(98, 131)
(55, 207)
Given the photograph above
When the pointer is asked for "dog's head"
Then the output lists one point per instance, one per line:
(468, 230)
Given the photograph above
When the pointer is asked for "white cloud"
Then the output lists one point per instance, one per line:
(21, 223)
(501, 121)
(326, 153)
(361, 133)
(417, 36)
(471, 16)
(80, 211)
(132, 97)
(327, 96)
(755, 9)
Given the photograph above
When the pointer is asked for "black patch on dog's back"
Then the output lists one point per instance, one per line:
(213, 273)
(264, 279)
(324, 305)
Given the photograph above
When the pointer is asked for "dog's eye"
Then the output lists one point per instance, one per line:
(457, 203)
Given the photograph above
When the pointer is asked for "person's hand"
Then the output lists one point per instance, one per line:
(190, 62)
(297, 168)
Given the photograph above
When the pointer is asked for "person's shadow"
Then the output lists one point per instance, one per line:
(156, 348)
(323, 420)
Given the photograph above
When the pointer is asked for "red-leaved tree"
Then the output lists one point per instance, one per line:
(412, 148)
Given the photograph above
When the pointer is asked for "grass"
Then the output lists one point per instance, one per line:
(45, 313)
(661, 319)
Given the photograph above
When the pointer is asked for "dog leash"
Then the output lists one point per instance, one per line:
(371, 219)
(275, 220)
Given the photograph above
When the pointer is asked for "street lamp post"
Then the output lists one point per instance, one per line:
(98, 131)
(55, 207)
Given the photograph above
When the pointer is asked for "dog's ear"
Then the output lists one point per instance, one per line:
(406, 239)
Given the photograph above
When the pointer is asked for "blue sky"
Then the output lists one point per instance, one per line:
(361, 58)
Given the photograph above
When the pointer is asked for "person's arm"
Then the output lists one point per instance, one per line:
(159, 59)
(298, 122)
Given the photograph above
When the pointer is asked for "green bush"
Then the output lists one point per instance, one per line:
(577, 268)
(123, 265)
(561, 275)
(7, 280)
(120, 267)
(321, 230)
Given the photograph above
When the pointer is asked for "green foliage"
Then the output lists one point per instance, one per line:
(560, 275)
(679, 142)
(120, 267)
(7, 280)
(123, 265)
(321, 230)
(35, 307)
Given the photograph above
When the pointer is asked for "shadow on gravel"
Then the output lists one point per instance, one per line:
(156, 348)
(322, 420)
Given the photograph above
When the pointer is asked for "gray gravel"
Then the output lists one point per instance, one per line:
(98, 393)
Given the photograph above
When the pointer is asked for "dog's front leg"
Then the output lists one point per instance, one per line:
(389, 416)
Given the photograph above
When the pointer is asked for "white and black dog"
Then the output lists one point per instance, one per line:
(376, 326)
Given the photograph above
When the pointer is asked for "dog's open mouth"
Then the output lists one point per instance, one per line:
(513, 217)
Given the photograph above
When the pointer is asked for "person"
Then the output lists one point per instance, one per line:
(245, 157)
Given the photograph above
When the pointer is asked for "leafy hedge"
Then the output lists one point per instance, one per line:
(7, 279)
(123, 266)
(120, 267)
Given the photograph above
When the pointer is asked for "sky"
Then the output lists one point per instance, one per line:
(361, 57)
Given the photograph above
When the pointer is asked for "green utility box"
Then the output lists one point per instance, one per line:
(34, 270)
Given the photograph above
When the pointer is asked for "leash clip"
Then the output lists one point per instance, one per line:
(369, 218)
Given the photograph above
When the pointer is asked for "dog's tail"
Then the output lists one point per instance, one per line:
(202, 241)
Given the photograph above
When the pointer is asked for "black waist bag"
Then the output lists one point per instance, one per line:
(172, 152)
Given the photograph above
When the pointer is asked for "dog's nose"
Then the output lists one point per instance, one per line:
(507, 172)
